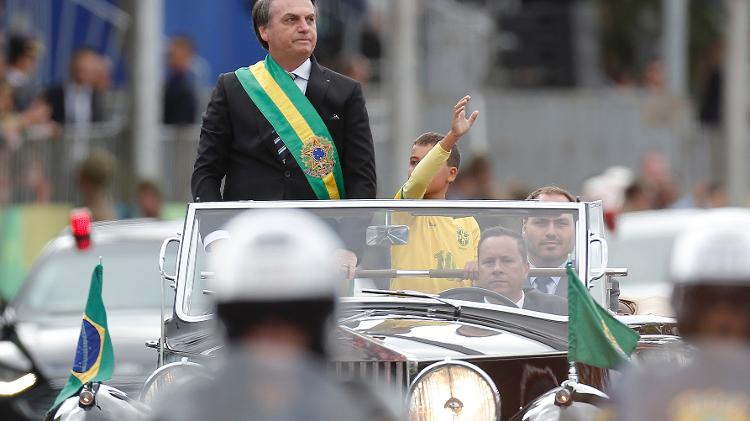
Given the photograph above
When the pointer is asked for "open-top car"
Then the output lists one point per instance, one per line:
(441, 290)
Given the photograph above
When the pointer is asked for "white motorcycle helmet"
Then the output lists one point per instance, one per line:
(276, 265)
(710, 267)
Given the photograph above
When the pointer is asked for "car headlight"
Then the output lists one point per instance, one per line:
(15, 370)
(454, 391)
(170, 376)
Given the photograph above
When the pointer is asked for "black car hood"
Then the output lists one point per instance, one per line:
(51, 343)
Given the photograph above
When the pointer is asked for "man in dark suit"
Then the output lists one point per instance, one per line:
(504, 268)
(240, 145)
(78, 102)
(550, 238)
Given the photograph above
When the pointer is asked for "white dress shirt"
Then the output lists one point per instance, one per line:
(302, 75)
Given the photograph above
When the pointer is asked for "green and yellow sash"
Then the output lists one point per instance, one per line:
(298, 125)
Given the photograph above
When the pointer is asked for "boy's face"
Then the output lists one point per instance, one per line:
(443, 177)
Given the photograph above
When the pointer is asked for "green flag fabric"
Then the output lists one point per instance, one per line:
(95, 359)
(595, 337)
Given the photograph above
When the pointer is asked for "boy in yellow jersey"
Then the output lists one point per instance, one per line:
(435, 242)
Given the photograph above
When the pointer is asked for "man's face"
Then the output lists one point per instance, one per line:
(549, 239)
(502, 268)
(291, 32)
(442, 178)
(84, 68)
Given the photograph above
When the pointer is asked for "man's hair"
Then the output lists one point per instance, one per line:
(505, 232)
(183, 41)
(262, 16)
(432, 139)
(82, 51)
(149, 186)
(551, 190)
(20, 46)
(98, 168)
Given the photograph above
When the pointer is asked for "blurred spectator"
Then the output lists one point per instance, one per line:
(635, 198)
(13, 124)
(696, 198)
(653, 77)
(35, 184)
(657, 180)
(356, 67)
(94, 178)
(103, 73)
(518, 191)
(149, 199)
(475, 183)
(609, 187)
(23, 53)
(180, 105)
(716, 195)
(78, 102)
(710, 101)
(480, 169)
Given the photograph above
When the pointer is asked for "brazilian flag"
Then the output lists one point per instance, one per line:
(95, 360)
(595, 337)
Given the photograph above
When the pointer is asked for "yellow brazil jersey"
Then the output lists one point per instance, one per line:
(435, 242)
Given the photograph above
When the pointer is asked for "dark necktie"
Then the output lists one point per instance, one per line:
(280, 146)
(543, 284)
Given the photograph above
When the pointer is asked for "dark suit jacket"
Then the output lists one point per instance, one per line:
(180, 105)
(237, 142)
(562, 287)
(55, 97)
(546, 303)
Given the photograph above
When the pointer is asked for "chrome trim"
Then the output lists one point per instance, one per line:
(393, 203)
(440, 364)
(163, 257)
(152, 378)
(164, 278)
(605, 257)
(388, 374)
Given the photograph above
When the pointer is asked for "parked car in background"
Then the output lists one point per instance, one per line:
(642, 243)
(40, 327)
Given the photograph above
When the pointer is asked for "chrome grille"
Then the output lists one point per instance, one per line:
(389, 374)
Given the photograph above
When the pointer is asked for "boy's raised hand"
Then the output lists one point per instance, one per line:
(459, 123)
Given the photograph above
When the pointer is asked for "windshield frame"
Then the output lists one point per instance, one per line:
(187, 246)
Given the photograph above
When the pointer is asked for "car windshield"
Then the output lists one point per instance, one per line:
(59, 283)
(516, 254)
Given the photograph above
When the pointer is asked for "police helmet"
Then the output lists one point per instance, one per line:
(710, 265)
(276, 266)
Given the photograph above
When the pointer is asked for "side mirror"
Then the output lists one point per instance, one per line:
(168, 258)
(387, 235)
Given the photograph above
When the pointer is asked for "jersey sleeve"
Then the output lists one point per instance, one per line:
(416, 186)
(476, 235)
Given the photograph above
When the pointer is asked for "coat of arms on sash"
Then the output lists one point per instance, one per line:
(316, 157)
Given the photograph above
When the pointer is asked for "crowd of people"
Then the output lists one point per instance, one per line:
(50, 149)
(30, 110)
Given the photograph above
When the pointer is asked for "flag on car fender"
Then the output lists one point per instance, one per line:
(595, 337)
(94, 359)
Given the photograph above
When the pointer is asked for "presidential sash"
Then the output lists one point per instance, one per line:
(298, 125)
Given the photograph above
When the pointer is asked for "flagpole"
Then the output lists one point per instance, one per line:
(572, 372)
